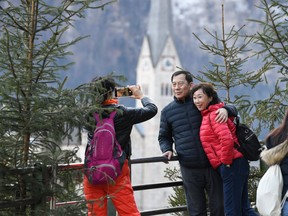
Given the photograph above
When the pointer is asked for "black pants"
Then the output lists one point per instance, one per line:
(197, 184)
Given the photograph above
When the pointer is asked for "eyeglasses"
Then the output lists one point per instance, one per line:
(180, 83)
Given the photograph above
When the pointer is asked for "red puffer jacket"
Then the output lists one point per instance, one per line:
(218, 138)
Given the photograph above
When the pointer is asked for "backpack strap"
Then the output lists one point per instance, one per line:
(237, 120)
(112, 114)
(97, 117)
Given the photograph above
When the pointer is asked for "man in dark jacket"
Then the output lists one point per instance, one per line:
(120, 191)
(180, 124)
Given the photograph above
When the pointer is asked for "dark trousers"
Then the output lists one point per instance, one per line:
(197, 184)
(235, 186)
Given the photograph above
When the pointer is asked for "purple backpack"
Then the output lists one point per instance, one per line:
(104, 157)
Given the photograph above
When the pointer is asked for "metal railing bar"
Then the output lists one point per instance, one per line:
(80, 165)
(157, 185)
(164, 211)
(70, 202)
(152, 160)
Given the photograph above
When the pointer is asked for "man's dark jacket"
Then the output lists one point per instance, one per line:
(180, 124)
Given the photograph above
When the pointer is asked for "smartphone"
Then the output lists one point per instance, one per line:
(122, 92)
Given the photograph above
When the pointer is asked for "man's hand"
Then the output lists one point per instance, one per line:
(222, 115)
(168, 155)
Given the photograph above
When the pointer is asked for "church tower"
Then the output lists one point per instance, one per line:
(158, 57)
(157, 61)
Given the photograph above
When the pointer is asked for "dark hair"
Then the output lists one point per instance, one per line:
(107, 85)
(279, 134)
(207, 89)
(188, 75)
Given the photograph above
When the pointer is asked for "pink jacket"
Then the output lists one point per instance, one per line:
(218, 139)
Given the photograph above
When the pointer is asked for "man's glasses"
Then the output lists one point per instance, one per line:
(180, 83)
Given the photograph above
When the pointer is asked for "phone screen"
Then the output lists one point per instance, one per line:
(122, 92)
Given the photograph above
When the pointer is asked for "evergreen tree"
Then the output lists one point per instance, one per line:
(272, 41)
(227, 72)
(269, 46)
(178, 198)
(37, 112)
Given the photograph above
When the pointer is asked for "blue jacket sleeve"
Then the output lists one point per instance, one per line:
(231, 109)
(165, 135)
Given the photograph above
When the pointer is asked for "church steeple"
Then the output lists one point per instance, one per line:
(158, 57)
(159, 27)
(157, 61)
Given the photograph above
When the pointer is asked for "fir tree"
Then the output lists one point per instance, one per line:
(272, 41)
(228, 73)
(37, 111)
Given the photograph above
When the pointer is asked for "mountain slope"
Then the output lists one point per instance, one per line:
(116, 35)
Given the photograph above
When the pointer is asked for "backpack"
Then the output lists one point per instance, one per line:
(249, 144)
(104, 156)
(269, 192)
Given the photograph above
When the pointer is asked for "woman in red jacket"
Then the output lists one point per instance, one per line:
(218, 142)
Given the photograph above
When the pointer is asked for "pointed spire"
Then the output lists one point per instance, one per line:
(159, 27)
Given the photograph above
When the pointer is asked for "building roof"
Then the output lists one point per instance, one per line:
(159, 27)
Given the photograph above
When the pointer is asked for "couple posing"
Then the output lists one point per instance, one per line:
(197, 123)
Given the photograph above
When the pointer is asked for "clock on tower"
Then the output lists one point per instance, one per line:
(168, 63)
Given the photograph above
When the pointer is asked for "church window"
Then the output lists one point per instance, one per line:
(166, 89)
(162, 89)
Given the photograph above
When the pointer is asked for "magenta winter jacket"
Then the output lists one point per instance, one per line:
(218, 139)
